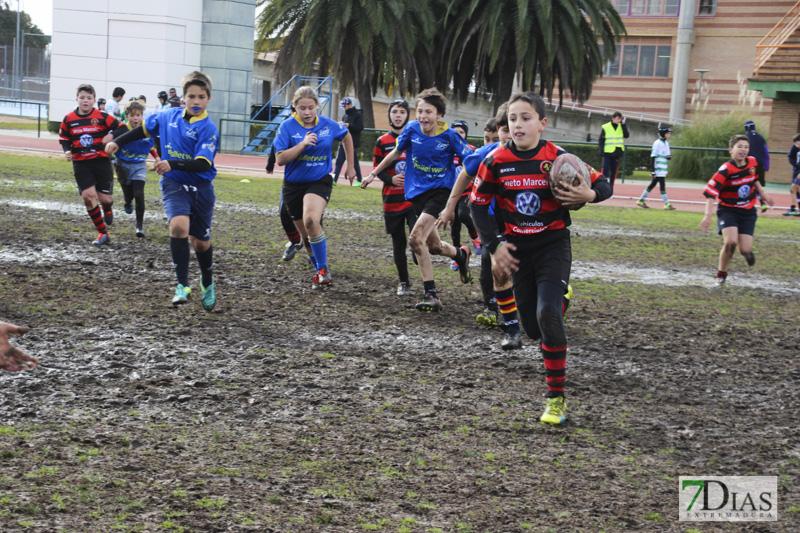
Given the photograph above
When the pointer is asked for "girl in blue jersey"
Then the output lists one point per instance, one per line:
(188, 145)
(304, 147)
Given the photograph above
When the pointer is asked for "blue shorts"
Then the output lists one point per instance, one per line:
(195, 200)
(735, 217)
(795, 178)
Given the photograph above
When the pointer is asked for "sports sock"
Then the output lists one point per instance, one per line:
(320, 248)
(508, 308)
(430, 287)
(473, 234)
(179, 249)
(645, 194)
(664, 197)
(97, 217)
(555, 365)
(206, 262)
(721, 274)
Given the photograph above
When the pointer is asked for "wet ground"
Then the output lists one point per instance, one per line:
(289, 410)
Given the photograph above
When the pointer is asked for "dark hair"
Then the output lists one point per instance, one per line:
(616, 114)
(490, 126)
(502, 116)
(101, 101)
(85, 88)
(198, 79)
(736, 138)
(435, 98)
(461, 124)
(142, 98)
(118, 91)
(796, 138)
(536, 102)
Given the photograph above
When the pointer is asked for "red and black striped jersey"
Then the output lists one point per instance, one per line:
(394, 197)
(734, 186)
(83, 134)
(521, 183)
(458, 163)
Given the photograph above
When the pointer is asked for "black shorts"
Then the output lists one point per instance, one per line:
(95, 173)
(293, 194)
(550, 262)
(394, 220)
(730, 217)
(431, 202)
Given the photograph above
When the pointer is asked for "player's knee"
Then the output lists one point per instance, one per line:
(730, 248)
(310, 223)
(415, 242)
(551, 323)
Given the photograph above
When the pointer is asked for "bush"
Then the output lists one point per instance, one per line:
(53, 126)
(635, 158)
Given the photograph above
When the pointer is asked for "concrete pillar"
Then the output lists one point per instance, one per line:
(683, 56)
(227, 56)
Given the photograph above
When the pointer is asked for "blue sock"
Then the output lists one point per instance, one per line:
(180, 259)
(320, 248)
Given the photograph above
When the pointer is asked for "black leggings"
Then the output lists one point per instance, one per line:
(287, 222)
(661, 183)
(540, 313)
(399, 243)
(134, 190)
(487, 282)
(462, 216)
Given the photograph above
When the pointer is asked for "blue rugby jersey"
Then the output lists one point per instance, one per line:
(429, 160)
(195, 139)
(135, 151)
(314, 162)
(473, 161)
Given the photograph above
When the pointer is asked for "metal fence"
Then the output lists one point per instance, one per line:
(32, 81)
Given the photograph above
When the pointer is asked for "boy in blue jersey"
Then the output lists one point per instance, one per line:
(188, 145)
(131, 163)
(430, 147)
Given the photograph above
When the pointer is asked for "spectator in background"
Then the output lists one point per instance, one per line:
(355, 124)
(759, 150)
(101, 104)
(112, 106)
(143, 99)
(162, 102)
(174, 99)
(612, 145)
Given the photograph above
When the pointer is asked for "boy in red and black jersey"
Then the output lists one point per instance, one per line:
(736, 185)
(397, 211)
(82, 136)
(537, 247)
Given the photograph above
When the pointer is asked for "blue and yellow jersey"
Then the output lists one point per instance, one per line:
(314, 162)
(196, 138)
(473, 161)
(429, 160)
(135, 151)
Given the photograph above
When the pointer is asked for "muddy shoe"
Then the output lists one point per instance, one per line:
(108, 217)
(291, 250)
(462, 260)
(512, 340)
(641, 203)
(182, 295)
(208, 297)
(669, 207)
(719, 282)
(429, 303)
(750, 258)
(404, 289)
(102, 238)
(555, 411)
(129, 208)
(567, 300)
(139, 232)
(487, 318)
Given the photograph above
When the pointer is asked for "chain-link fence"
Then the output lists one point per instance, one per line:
(31, 82)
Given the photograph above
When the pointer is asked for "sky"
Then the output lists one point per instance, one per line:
(41, 12)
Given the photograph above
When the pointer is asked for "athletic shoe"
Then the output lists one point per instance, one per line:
(453, 266)
(182, 295)
(108, 217)
(429, 303)
(641, 203)
(335, 183)
(764, 208)
(129, 208)
(750, 258)
(567, 299)
(208, 297)
(356, 184)
(669, 207)
(477, 243)
(139, 232)
(463, 265)
(720, 282)
(512, 340)
(321, 279)
(404, 289)
(791, 213)
(555, 411)
(102, 238)
(487, 318)
(291, 250)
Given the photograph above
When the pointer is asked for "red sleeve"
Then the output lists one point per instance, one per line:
(154, 153)
(485, 185)
(716, 183)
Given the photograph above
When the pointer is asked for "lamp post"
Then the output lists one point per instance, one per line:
(700, 71)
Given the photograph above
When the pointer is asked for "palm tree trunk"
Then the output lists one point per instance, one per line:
(364, 93)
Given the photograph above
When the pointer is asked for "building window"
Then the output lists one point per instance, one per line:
(707, 7)
(660, 8)
(644, 58)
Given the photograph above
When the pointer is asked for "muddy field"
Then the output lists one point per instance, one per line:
(347, 410)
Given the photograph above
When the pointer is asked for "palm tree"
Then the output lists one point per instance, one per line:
(355, 40)
(538, 41)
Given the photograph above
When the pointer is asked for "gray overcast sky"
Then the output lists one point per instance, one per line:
(41, 12)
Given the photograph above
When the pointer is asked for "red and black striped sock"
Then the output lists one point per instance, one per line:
(555, 369)
(508, 307)
(97, 217)
(721, 274)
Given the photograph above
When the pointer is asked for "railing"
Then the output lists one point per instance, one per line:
(774, 40)
(25, 110)
(605, 111)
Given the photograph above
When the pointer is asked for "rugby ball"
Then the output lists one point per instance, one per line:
(569, 169)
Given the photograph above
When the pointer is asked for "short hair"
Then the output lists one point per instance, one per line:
(118, 91)
(435, 98)
(142, 98)
(796, 138)
(616, 114)
(490, 126)
(172, 89)
(536, 102)
(134, 105)
(85, 88)
(502, 116)
(736, 138)
(305, 92)
(198, 79)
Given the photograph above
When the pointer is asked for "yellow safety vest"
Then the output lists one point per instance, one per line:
(614, 138)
